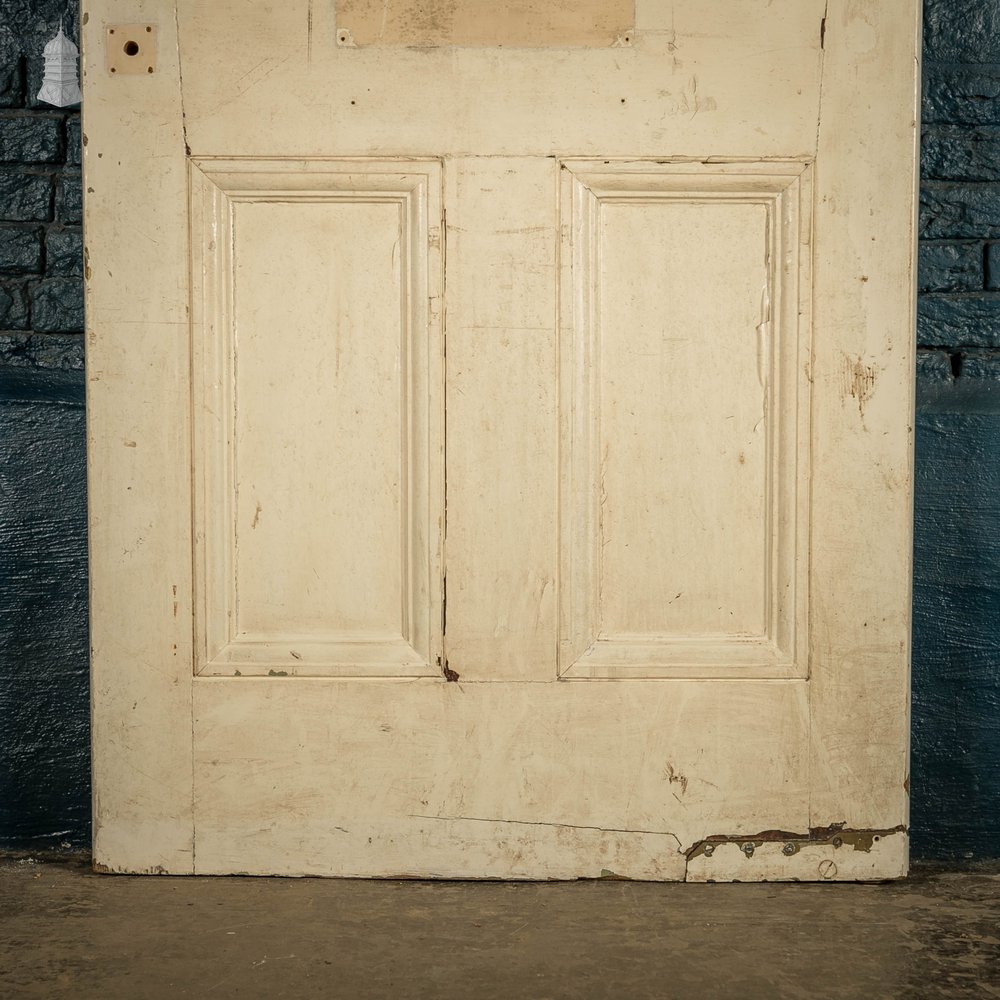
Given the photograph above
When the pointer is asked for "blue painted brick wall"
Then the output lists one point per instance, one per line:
(44, 687)
(955, 777)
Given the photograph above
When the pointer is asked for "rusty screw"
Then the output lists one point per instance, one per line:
(748, 849)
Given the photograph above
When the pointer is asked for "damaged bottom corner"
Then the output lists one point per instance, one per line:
(824, 854)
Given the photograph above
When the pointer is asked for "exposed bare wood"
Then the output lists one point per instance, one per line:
(524, 23)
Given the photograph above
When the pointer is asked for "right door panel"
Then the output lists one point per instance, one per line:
(685, 332)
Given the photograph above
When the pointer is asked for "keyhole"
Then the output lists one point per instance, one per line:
(131, 48)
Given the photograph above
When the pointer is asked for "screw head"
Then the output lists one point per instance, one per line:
(838, 842)
(748, 849)
(788, 849)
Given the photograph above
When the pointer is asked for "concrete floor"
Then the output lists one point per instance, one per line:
(65, 932)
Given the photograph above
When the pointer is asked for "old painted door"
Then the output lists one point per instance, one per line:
(500, 434)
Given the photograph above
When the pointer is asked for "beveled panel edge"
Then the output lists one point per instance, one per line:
(329, 656)
(682, 658)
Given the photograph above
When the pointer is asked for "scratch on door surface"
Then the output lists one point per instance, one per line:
(859, 382)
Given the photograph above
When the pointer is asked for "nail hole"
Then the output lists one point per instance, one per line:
(111, 31)
(113, 70)
(149, 69)
(956, 364)
(148, 28)
(131, 48)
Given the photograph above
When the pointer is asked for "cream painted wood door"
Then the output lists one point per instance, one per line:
(500, 436)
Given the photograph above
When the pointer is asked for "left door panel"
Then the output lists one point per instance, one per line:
(318, 417)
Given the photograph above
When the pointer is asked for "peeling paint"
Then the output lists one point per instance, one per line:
(837, 835)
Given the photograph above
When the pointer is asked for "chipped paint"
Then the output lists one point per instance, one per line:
(823, 854)
(836, 836)
(103, 869)
(609, 876)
